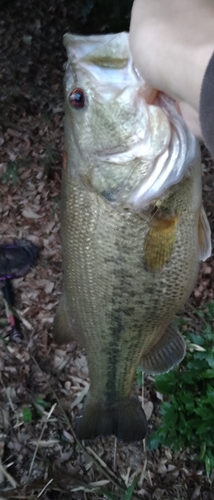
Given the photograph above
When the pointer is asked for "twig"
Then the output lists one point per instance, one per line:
(40, 437)
(9, 399)
(115, 455)
(8, 476)
(142, 391)
(45, 487)
(142, 475)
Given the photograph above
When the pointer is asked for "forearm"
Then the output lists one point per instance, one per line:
(206, 107)
(172, 42)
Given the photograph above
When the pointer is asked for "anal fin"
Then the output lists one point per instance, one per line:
(62, 331)
(204, 236)
(168, 352)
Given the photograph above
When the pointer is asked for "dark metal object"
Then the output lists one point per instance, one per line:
(15, 260)
(8, 294)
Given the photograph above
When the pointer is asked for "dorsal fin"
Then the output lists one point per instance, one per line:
(204, 236)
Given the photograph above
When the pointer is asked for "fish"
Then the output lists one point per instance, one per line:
(133, 229)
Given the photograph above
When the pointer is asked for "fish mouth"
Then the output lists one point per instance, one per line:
(163, 168)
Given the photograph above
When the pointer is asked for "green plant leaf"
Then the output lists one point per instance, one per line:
(130, 489)
(43, 403)
(210, 309)
(207, 465)
(196, 339)
(11, 174)
(5, 341)
(39, 404)
(27, 415)
(155, 440)
(187, 411)
(209, 373)
(210, 359)
(108, 494)
(189, 377)
(166, 384)
(139, 377)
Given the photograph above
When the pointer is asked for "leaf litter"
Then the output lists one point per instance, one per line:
(42, 385)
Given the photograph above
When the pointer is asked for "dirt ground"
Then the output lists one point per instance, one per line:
(42, 386)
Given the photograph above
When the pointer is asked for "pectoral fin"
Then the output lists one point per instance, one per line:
(204, 236)
(159, 242)
(168, 352)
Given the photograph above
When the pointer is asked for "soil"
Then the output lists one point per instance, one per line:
(42, 385)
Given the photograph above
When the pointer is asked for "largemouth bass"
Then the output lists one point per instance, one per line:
(133, 229)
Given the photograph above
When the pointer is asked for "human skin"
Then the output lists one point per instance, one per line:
(171, 42)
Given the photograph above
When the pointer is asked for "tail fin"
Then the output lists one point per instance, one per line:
(125, 419)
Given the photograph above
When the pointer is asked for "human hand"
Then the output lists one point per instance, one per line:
(172, 42)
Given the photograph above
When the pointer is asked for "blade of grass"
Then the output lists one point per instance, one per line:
(130, 489)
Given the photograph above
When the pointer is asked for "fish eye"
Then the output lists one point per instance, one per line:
(77, 98)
